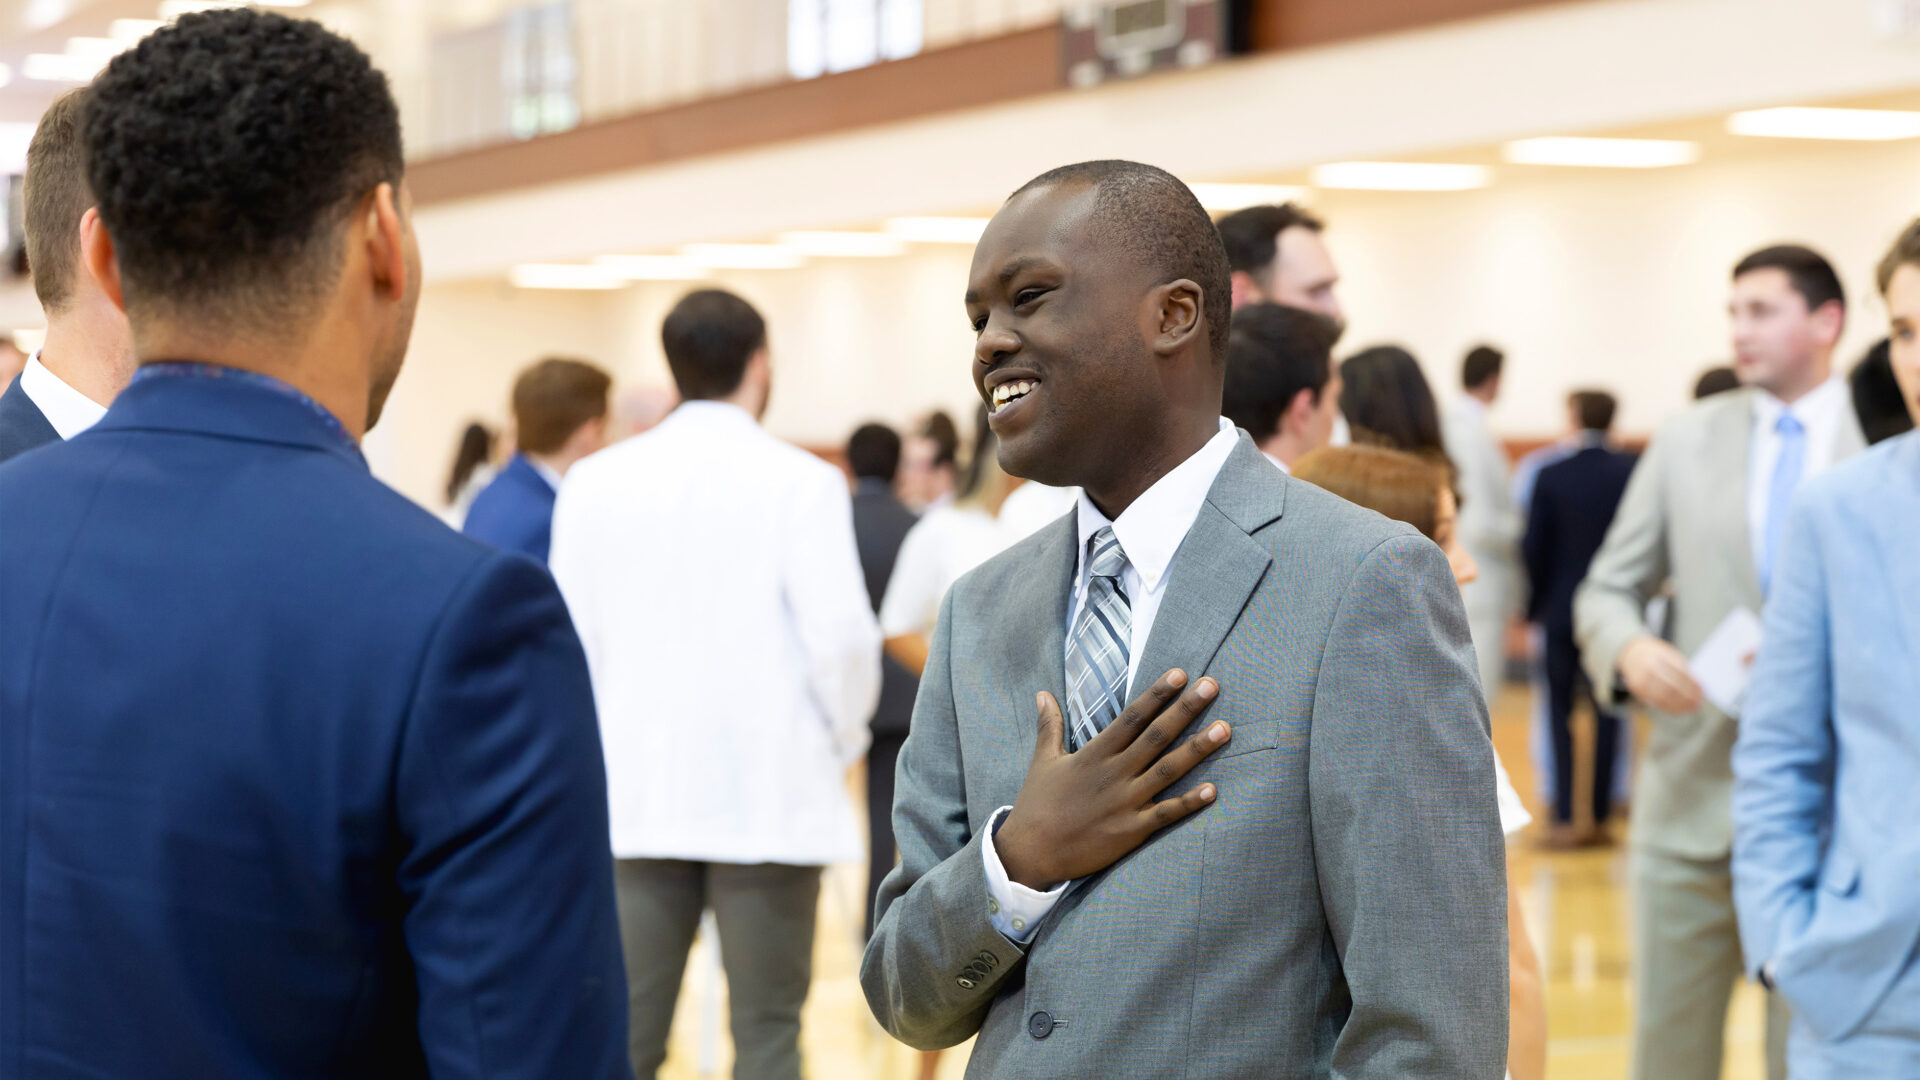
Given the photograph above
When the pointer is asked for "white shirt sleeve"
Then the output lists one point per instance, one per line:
(1513, 812)
(826, 597)
(919, 581)
(1015, 910)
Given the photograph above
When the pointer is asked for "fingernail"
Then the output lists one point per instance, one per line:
(1218, 733)
(1040, 700)
(1206, 688)
(1176, 678)
(1206, 793)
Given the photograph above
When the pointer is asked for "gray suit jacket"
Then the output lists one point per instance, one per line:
(1684, 519)
(1340, 910)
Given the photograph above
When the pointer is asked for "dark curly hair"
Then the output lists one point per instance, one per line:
(225, 151)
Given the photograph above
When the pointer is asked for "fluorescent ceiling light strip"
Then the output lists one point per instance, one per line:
(1240, 196)
(1865, 125)
(651, 267)
(1603, 153)
(938, 230)
(1401, 176)
(97, 49)
(59, 67)
(743, 256)
(857, 245)
(564, 276)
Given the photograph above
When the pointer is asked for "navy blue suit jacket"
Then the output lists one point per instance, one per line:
(1573, 506)
(294, 781)
(22, 425)
(515, 511)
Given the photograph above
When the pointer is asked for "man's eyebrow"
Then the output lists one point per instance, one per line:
(1008, 272)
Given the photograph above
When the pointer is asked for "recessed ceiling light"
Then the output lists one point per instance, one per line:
(1603, 153)
(651, 267)
(743, 256)
(1401, 176)
(938, 230)
(857, 245)
(564, 276)
(1240, 196)
(1867, 125)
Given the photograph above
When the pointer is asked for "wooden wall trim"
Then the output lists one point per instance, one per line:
(1297, 24)
(973, 74)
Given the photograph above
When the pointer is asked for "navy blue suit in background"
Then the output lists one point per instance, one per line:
(515, 511)
(294, 781)
(1573, 505)
(22, 425)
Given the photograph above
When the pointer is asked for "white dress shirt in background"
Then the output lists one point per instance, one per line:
(712, 575)
(68, 410)
(1033, 507)
(942, 546)
(1150, 531)
(1821, 411)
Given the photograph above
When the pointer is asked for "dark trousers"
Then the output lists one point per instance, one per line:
(881, 759)
(1566, 683)
(765, 914)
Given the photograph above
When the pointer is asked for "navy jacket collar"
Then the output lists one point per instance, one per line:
(249, 408)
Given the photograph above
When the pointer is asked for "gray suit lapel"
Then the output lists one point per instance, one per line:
(1730, 444)
(1216, 568)
(1035, 627)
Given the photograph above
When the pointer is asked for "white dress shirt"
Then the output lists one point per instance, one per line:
(1277, 463)
(1150, 531)
(712, 575)
(68, 410)
(940, 547)
(1821, 411)
(547, 472)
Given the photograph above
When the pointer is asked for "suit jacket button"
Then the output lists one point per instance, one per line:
(1040, 1025)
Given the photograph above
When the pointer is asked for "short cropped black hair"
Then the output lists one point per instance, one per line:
(1154, 216)
(1274, 353)
(873, 452)
(1252, 236)
(1715, 380)
(1809, 272)
(1595, 409)
(709, 337)
(1877, 400)
(225, 151)
(1483, 362)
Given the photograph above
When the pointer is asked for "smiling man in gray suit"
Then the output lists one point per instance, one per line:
(1310, 883)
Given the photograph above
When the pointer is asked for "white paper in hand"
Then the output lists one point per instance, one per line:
(1724, 663)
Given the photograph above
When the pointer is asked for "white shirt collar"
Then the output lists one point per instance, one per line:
(1277, 463)
(546, 471)
(68, 410)
(1470, 405)
(1151, 529)
(1811, 408)
(716, 412)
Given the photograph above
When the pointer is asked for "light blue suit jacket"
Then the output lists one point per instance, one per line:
(1826, 857)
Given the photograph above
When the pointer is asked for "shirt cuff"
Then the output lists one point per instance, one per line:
(1014, 909)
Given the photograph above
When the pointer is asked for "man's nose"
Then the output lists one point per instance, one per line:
(994, 345)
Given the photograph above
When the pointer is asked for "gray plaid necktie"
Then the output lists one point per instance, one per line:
(1097, 652)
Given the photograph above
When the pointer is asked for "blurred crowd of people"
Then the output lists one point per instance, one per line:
(677, 634)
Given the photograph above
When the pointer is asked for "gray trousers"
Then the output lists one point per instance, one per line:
(766, 917)
(1686, 961)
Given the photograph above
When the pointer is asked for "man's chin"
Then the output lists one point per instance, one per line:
(1030, 459)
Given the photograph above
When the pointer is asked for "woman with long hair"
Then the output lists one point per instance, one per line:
(1419, 491)
(472, 470)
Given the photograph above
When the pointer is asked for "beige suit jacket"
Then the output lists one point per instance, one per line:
(1684, 520)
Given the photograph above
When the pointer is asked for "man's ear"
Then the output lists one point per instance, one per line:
(96, 250)
(1831, 319)
(385, 237)
(1178, 314)
(1299, 411)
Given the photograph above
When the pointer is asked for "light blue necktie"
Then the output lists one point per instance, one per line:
(1097, 651)
(1786, 478)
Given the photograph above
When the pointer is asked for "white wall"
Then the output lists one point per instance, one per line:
(1610, 278)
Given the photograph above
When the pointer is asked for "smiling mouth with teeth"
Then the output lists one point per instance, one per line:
(1009, 392)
